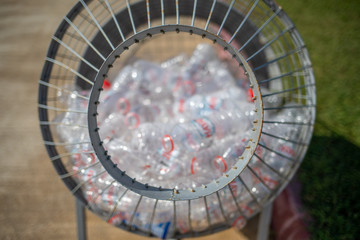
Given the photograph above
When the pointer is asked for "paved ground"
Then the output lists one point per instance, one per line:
(34, 203)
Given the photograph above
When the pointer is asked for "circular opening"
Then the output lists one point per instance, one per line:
(176, 111)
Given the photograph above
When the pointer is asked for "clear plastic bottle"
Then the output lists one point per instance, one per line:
(202, 105)
(124, 81)
(200, 165)
(198, 216)
(182, 219)
(223, 162)
(71, 127)
(269, 177)
(119, 102)
(257, 189)
(196, 71)
(135, 163)
(199, 133)
(202, 55)
(148, 77)
(270, 99)
(113, 126)
(177, 61)
(221, 75)
(148, 137)
(176, 84)
(162, 226)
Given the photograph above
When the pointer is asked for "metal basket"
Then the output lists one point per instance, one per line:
(100, 38)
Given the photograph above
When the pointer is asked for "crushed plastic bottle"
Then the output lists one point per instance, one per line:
(199, 133)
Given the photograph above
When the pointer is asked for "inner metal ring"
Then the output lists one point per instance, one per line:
(158, 192)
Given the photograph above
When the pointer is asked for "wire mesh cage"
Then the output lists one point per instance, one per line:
(176, 118)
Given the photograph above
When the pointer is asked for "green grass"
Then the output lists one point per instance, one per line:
(330, 173)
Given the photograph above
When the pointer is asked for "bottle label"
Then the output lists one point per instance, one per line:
(239, 223)
(287, 150)
(213, 103)
(205, 127)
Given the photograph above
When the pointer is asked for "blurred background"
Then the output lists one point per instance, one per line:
(35, 204)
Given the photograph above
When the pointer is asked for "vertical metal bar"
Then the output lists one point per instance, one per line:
(264, 222)
(116, 204)
(279, 58)
(60, 110)
(65, 154)
(290, 90)
(221, 208)
(194, 13)
(244, 20)
(208, 215)
(210, 14)
(177, 11)
(49, 85)
(134, 213)
(148, 13)
(70, 69)
(130, 15)
(162, 13)
(226, 16)
(62, 143)
(249, 191)
(260, 29)
(69, 174)
(285, 139)
(284, 75)
(236, 203)
(75, 53)
(152, 217)
(75, 189)
(174, 226)
(83, 37)
(269, 43)
(277, 153)
(115, 20)
(259, 177)
(189, 216)
(97, 24)
(80, 219)
(100, 193)
(270, 167)
(287, 107)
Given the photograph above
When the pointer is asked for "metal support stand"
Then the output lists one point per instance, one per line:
(80, 219)
(264, 222)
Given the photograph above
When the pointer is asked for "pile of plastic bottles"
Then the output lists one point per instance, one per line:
(178, 124)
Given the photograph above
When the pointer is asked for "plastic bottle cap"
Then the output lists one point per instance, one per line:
(177, 84)
(132, 120)
(168, 143)
(189, 87)
(106, 84)
(181, 105)
(250, 95)
(123, 105)
(192, 165)
(213, 103)
(248, 210)
(239, 222)
(220, 163)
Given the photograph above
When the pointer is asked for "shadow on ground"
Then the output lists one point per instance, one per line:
(330, 177)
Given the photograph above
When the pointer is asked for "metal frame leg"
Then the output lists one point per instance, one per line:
(80, 219)
(264, 222)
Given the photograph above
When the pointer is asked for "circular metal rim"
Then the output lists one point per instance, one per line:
(52, 151)
(159, 192)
